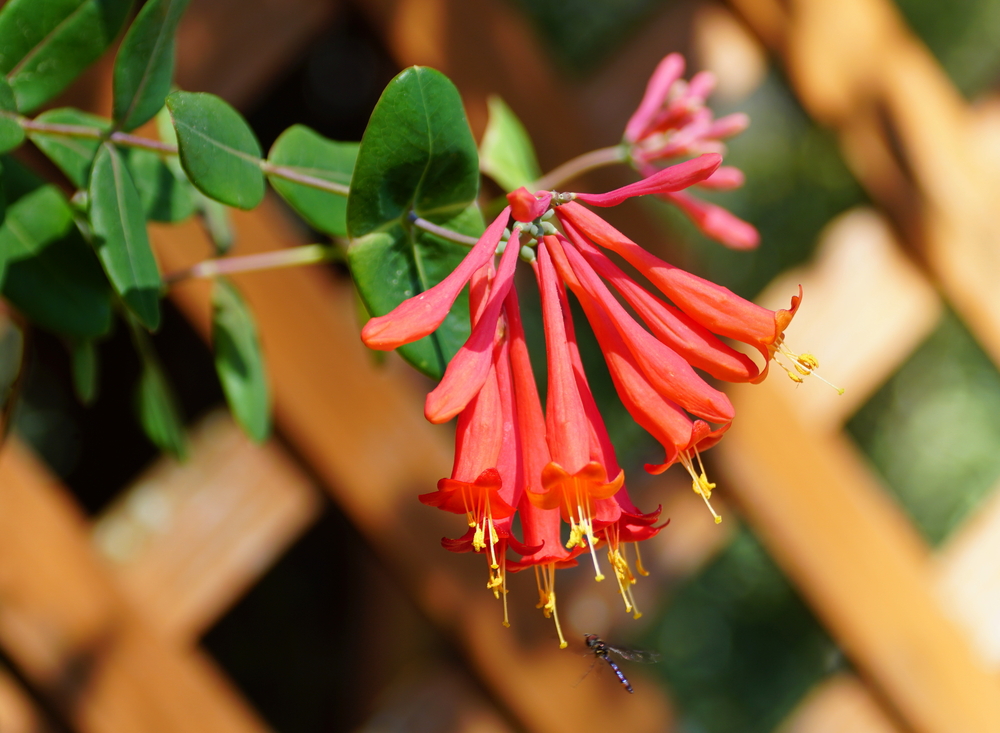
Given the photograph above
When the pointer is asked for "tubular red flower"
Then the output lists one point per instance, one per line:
(725, 178)
(420, 315)
(716, 308)
(716, 222)
(674, 178)
(667, 72)
(467, 371)
(664, 370)
(525, 207)
(699, 347)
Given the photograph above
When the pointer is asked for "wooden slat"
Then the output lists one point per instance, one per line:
(18, 714)
(906, 133)
(804, 487)
(842, 704)
(64, 623)
(186, 540)
(236, 48)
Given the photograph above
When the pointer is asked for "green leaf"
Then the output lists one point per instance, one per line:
(120, 232)
(144, 66)
(239, 361)
(417, 155)
(507, 154)
(217, 221)
(72, 155)
(45, 44)
(157, 410)
(218, 149)
(11, 133)
(11, 361)
(311, 154)
(83, 357)
(47, 270)
(164, 197)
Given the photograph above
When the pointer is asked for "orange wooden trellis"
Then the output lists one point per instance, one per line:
(104, 618)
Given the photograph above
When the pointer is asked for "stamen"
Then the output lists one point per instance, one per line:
(638, 562)
(699, 481)
(591, 541)
(547, 595)
(804, 365)
(478, 538)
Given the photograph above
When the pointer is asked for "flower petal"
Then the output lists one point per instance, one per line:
(420, 315)
(674, 178)
(467, 371)
(667, 72)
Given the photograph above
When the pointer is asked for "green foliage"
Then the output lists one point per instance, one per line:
(309, 153)
(120, 236)
(506, 153)
(932, 430)
(239, 362)
(144, 66)
(11, 134)
(72, 155)
(164, 196)
(157, 409)
(83, 360)
(218, 150)
(739, 647)
(46, 268)
(417, 157)
(45, 44)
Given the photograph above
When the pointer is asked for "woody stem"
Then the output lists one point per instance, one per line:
(580, 165)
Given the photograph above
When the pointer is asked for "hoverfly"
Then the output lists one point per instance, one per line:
(601, 650)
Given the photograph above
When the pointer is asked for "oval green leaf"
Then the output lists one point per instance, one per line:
(122, 243)
(417, 155)
(218, 149)
(11, 134)
(47, 270)
(506, 153)
(72, 155)
(157, 410)
(308, 153)
(239, 361)
(164, 196)
(45, 44)
(83, 360)
(144, 66)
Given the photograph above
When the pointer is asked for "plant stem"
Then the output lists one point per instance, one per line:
(307, 254)
(448, 234)
(93, 133)
(134, 141)
(290, 174)
(579, 165)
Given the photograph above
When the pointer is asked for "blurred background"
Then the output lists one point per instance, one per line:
(299, 587)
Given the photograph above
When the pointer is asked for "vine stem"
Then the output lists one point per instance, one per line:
(134, 141)
(580, 165)
(429, 226)
(307, 254)
(93, 133)
(566, 172)
(289, 174)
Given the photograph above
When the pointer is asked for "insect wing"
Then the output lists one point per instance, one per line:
(634, 655)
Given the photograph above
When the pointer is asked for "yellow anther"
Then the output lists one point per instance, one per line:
(699, 481)
(479, 538)
(545, 577)
(803, 365)
(638, 562)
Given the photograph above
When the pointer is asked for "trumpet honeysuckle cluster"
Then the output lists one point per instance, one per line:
(557, 465)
